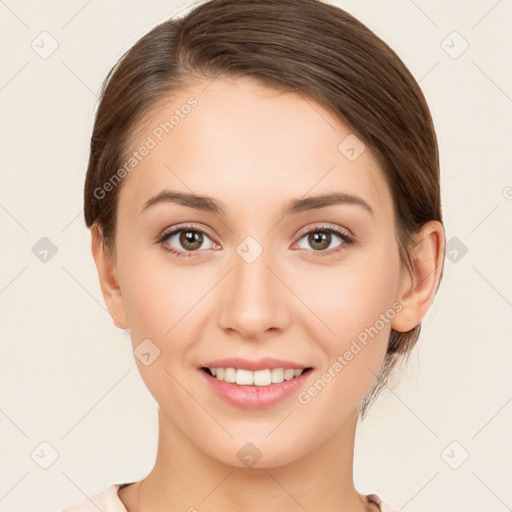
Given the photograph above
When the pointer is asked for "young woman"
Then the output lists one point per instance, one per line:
(264, 204)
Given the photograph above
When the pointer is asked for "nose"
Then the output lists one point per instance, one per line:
(253, 299)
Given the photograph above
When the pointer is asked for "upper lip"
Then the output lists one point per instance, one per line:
(254, 365)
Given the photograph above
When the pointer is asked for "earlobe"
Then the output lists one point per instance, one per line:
(109, 284)
(419, 284)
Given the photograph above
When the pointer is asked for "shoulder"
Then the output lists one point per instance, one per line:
(383, 506)
(106, 501)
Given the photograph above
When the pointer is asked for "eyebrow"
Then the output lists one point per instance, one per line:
(209, 204)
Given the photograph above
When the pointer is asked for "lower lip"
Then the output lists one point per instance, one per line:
(255, 397)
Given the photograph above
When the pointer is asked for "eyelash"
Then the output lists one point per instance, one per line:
(347, 239)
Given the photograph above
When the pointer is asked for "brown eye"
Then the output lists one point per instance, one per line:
(319, 240)
(185, 241)
(191, 240)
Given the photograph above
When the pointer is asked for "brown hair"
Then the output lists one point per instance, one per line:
(307, 46)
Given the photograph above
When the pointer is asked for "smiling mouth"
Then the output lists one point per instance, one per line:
(257, 378)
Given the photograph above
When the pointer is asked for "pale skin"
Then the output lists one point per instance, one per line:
(253, 149)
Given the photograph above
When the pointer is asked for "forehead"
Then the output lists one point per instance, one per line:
(237, 140)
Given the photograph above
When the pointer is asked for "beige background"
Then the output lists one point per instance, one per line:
(68, 377)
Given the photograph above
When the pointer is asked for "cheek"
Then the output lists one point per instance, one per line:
(355, 304)
(353, 297)
(165, 304)
(150, 312)
(157, 295)
(161, 306)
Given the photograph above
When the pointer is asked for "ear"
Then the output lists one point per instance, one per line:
(105, 263)
(419, 284)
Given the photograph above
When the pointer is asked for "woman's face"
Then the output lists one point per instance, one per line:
(261, 280)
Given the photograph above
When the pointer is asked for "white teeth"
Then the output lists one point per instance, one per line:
(289, 374)
(277, 375)
(262, 377)
(258, 378)
(244, 377)
(230, 375)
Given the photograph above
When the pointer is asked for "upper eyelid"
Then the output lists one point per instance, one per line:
(326, 226)
(175, 229)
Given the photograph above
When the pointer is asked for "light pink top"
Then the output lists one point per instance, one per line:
(109, 501)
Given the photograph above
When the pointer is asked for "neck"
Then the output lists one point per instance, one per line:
(185, 478)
